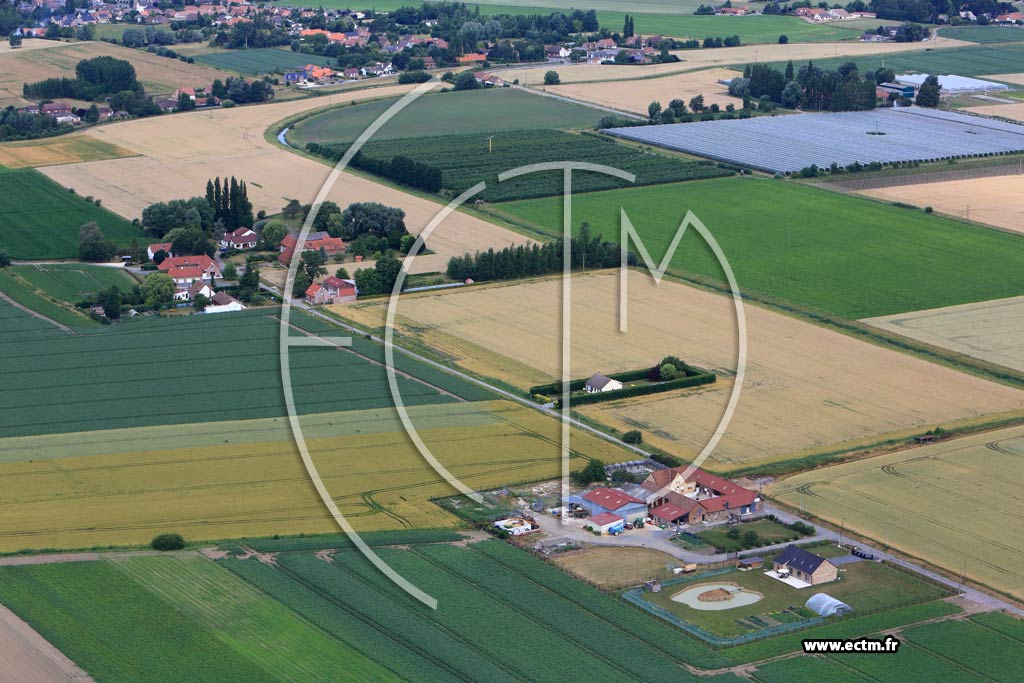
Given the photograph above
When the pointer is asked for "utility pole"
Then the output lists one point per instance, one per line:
(490, 144)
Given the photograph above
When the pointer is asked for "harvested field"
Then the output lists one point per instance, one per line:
(1016, 78)
(807, 389)
(1014, 112)
(159, 75)
(65, 149)
(234, 484)
(699, 59)
(948, 503)
(634, 95)
(616, 567)
(167, 169)
(26, 656)
(991, 330)
(995, 201)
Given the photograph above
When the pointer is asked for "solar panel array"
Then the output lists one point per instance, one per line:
(790, 143)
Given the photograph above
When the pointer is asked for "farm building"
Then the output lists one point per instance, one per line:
(746, 563)
(604, 500)
(152, 249)
(599, 383)
(827, 606)
(222, 302)
(607, 523)
(804, 566)
(515, 526)
(951, 83)
(700, 495)
(315, 241)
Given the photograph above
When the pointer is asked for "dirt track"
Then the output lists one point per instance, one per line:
(26, 657)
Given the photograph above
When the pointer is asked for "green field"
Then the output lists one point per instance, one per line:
(465, 160)
(72, 282)
(195, 369)
(261, 60)
(865, 586)
(21, 292)
(973, 61)
(42, 218)
(480, 112)
(984, 34)
(17, 325)
(817, 249)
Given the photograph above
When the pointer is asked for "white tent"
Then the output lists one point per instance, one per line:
(952, 83)
(827, 606)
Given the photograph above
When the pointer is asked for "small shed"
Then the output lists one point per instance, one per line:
(747, 563)
(607, 523)
(825, 605)
(652, 586)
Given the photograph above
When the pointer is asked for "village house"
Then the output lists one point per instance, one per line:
(598, 383)
(242, 238)
(804, 566)
(152, 249)
(333, 290)
(315, 241)
(186, 270)
(192, 291)
(472, 58)
(222, 302)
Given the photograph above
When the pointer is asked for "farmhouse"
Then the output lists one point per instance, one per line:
(717, 498)
(604, 500)
(315, 241)
(599, 383)
(152, 249)
(242, 238)
(192, 291)
(185, 270)
(806, 567)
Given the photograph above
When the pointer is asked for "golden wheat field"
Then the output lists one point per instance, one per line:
(634, 95)
(807, 389)
(990, 330)
(235, 479)
(65, 149)
(158, 75)
(955, 504)
(692, 60)
(1007, 111)
(178, 153)
(995, 201)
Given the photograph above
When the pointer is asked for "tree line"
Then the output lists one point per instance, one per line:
(810, 87)
(401, 169)
(230, 203)
(588, 251)
(95, 78)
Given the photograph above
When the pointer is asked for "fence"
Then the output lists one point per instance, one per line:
(856, 184)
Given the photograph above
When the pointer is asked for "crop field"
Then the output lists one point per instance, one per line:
(465, 160)
(1014, 112)
(218, 480)
(969, 60)
(477, 112)
(993, 201)
(261, 60)
(751, 29)
(987, 651)
(116, 630)
(865, 586)
(196, 369)
(52, 316)
(984, 34)
(953, 504)
(166, 169)
(635, 95)
(485, 592)
(65, 149)
(845, 391)
(71, 282)
(720, 57)
(18, 325)
(844, 255)
(158, 75)
(260, 629)
(41, 219)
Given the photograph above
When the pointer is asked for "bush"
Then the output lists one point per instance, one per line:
(168, 542)
(633, 437)
(552, 78)
(414, 77)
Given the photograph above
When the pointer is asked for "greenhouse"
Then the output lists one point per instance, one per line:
(825, 605)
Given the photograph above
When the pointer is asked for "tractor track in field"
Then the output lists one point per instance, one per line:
(36, 314)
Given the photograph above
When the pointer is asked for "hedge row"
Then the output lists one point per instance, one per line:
(552, 388)
(643, 389)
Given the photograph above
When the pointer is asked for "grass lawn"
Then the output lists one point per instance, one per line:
(477, 111)
(261, 60)
(26, 295)
(974, 60)
(42, 218)
(72, 282)
(844, 255)
(865, 586)
(768, 531)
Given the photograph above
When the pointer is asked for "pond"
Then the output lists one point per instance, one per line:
(716, 596)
